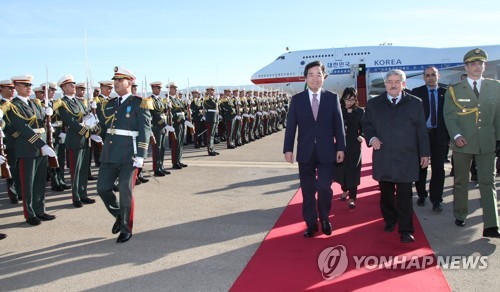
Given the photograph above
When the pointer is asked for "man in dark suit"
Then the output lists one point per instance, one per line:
(432, 96)
(394, 125)
(320, 143)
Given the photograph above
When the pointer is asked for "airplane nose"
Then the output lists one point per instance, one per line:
(254, 77)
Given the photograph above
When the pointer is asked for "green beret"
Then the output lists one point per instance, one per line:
(475, 55)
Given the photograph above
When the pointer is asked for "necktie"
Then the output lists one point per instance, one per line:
(315, 105)
(476, 92)
(394, 100)
(433, 109)
(119, 101)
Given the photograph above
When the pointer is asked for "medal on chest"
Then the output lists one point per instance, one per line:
(129, 108)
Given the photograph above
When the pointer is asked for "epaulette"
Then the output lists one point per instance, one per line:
(147, 103)
(37, 101)
(57, 104)
(6, 106)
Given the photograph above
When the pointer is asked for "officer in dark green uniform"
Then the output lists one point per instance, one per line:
(74, 114)
(27, 117)
(13, 184)
(472, 116)
(179, 111)
(159, 128)
(197, 116)
(228, 110)
(127, 121)
(211, 110)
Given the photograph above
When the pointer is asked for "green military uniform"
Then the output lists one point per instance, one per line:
(158, 115)
(72, 111)
(228, 114)
(128, 128)
(211, 109)
(197, 116)
(477, 119)
(30, 136)
(178, 118)
(14, 183)
(57, 174)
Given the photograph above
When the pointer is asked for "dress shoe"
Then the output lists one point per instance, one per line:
(2, 236)
(212, 154)
(66, 186)
(437, 207)
(351, 204)
(183, 165)
(87, 200)
(92, 177)
(116, 226)
(77, 204)
(216, 153)
(57, 189)
(231, 146)
(473, 177)
(143, 179)
(326, 227)
(33, 221)
(124, 237)
(491, 232)
(159, 173)
(46, 217)
(406, 237)
(196, 146)
(389, 227)
(343, 197)
(137, 182)
(177, 166)
(14, 200)
(460, 223)
(421, 201)
(311, 230)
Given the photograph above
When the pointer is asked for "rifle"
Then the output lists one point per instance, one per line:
(53, 163)
(5, 167)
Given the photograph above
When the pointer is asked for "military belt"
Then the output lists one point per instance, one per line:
(212, 110)
(120, 132)
(39, 130)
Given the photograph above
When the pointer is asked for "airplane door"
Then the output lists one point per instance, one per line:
(339, 54)
(361, 84)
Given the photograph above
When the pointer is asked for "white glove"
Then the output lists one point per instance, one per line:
(63, 137)
(246, 115)
(2, 159)
(238, 117)
(188, 124)
(169, 128)
(1, 114)
(93, 105)
(203, 118)
(96, 138)
(90, 121)
(46, 150)
(138, 162)
(220, 118)
(49, 111)
(2, 135)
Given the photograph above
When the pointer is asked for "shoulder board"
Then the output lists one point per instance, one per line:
(147, 103)
(57, 104)
(113, 98)
(37, 101)
(492, 80)
(6, 106)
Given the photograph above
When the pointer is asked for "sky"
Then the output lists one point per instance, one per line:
(201, 43)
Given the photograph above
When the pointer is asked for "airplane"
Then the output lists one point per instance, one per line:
(365, 67)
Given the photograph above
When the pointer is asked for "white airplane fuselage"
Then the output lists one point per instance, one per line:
(343, 65)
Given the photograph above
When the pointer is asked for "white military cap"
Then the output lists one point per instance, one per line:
(123, 73)
(106, 83)
(51, 85)
(39, 88)
(81, 85)
(97, 88)
(171, 84)
(156, 83)
(22, 79)
(7, 83)
(211, 88)
(68, 78)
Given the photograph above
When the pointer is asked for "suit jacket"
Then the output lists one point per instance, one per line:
(402, 130)
(477, 119)
(325, 134)
(422, 93)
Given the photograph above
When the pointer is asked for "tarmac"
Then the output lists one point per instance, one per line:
(196, 229)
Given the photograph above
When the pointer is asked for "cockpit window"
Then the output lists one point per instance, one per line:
(280, 58)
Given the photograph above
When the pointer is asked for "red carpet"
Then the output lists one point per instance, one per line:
(286, 261)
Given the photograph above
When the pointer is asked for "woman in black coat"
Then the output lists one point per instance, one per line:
(348, 173)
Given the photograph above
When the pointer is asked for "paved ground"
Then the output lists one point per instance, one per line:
(195, 230)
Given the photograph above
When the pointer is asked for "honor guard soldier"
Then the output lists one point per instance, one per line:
(81, 90)
(39, 94)
(105, 89)
(127, 122)
(472, 117)
(140, 175)
(27, 117)
(159, 128)
(13, 183)
(178, 118)
(228, 112)
(211, 110)
(80, 123)
(238, 121)
(197, 116)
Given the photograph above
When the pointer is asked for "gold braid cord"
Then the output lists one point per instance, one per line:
(465, 111)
